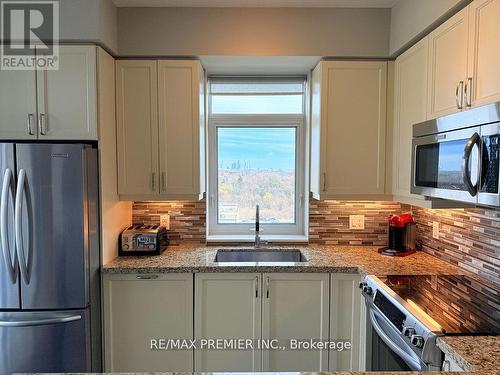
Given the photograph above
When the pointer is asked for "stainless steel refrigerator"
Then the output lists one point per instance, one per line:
(49, 258)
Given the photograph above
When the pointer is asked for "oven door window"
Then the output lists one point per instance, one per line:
(440, 165)
(384, 359)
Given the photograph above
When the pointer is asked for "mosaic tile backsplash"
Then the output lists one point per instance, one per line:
(469, 238)
(329, 222)
(187, 219)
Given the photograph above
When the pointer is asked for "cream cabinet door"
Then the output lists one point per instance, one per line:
(448, 49)
(353, 117)
(18, 117)
(410, 97)
(228, 306)
(295, 306)
(181, 128)
(137, 127)
(67, 97)
(138, 310)
(346, 322)
(484, 52)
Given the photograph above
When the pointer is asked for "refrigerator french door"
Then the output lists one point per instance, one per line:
(49, 272)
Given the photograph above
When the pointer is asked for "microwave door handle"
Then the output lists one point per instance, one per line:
(414, 364)
(473, 141)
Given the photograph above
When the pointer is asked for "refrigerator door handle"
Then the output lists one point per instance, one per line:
(24, 262)
(7, 190)
(40, 322)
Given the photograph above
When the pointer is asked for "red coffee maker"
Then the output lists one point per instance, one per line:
(401, 236)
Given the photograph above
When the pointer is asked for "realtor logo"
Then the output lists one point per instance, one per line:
(30, 35)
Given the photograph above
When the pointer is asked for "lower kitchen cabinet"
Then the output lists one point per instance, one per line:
(139, 308)
(347, 322)
(228, 306)
(295, 306)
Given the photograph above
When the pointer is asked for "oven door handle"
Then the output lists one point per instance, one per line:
(415, 365)
(473, 141)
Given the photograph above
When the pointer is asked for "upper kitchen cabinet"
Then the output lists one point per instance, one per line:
(137, 127)
(160, 129)
(410, 107)
(18, 105)
(448, 66)
(52, 104)
(67, 98)
(484, 52)
(348, 127)
(181, 104)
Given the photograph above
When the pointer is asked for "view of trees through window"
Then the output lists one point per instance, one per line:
(256, 165)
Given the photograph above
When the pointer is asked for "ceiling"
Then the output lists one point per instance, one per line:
(259, 3)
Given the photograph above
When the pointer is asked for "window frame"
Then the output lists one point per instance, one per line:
(243, 231)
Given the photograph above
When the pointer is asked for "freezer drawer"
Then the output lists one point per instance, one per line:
(53, 341)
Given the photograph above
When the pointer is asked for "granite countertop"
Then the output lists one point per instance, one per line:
(478, 354)
(340, 259)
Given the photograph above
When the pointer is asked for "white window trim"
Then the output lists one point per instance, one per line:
(245, 232)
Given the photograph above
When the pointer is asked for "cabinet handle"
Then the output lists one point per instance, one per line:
(256, 286)
(30, 124)
(41, 124)
(468, 92)
(324, 181)
(147, 277)
(460, 89)
(267, 287)
(164, 181)
(153, 182)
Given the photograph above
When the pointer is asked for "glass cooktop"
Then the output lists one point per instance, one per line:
(458, 303)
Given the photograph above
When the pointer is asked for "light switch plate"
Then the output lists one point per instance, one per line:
(356, 221)
(435, 230)
(165, 221)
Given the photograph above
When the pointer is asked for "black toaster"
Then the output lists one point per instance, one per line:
(143, 240)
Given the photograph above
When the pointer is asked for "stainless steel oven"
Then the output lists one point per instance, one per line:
(399, 338)
(456, 157)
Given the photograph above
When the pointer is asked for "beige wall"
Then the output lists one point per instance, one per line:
(253, 32)
(412, 18)
(89, 21)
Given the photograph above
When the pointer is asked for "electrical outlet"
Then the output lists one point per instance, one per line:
(435, 230)
(165, 221)
(356, 221)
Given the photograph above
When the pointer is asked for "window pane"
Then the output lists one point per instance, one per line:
(256, 166)
(274, 86)
(255, 104)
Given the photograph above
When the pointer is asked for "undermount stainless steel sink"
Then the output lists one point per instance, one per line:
(259, 255)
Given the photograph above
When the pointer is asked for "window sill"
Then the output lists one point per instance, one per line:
(251, 238)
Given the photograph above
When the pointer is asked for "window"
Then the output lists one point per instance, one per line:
(256, 156)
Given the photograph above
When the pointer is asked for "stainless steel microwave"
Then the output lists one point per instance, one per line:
(456, 157)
